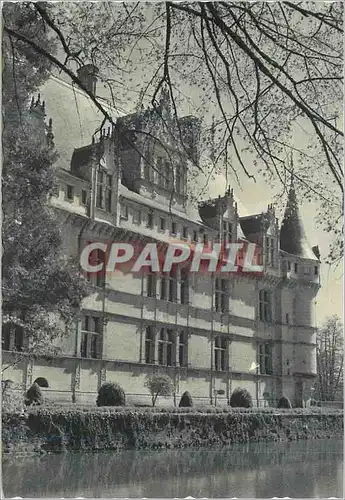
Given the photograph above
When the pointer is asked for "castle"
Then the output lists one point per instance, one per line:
(210, 335)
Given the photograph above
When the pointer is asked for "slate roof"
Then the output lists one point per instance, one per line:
(251, 224)
(292, 234)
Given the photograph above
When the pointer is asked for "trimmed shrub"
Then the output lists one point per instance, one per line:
(186, 400)
(111, 394)
(34, 395)
(284, 403)
(159, 385)
(42, 382)
(241, 398)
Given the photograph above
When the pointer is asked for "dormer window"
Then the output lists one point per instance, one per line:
(124, 211)
(88, 76)
(316, 271)
(136, 217)
(227, 232)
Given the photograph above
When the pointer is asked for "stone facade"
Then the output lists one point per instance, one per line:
(129, 183)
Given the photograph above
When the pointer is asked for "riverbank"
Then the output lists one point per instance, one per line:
(58, 429)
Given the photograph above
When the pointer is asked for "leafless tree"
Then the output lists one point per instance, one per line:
(330, 360)
(257, 72)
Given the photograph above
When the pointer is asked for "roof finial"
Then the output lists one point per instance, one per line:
(50, 135)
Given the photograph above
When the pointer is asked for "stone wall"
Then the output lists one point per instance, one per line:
(115, 429)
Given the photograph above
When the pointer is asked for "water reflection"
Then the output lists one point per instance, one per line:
(304, 469)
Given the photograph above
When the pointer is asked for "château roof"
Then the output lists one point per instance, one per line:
(251, 224)
(292, 234)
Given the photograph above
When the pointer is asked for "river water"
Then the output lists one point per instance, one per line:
(302, 469)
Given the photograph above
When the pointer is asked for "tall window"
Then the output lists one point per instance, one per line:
(91, 338)
(83, 197)
(184, 286)
(179, 179)
(269, 251)
(296, 267)
(167, 176)
(149, 174)
(173, 228)
(70, 192)
(12, 337)
(166, 347)
(265, 358)
(185, 233)
(182, 349)
(150, 345)
(151, 285)
(160, 172)
(220, 352)
(162, 224)
(265, 306)
(104, 191)
(168, 289)
(221, 302)
(97, 257)
(150, 220)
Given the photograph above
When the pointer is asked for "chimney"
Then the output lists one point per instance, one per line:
(88, 76)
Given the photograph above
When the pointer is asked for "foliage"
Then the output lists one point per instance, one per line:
(34, 395)
(284, 403)
(42, 290)
(111, 394)
(12, 400)
(330, 360)
(186, 400)
(241, 398)
(159, 385)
